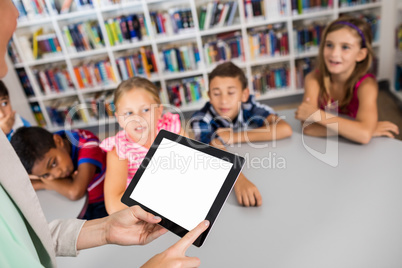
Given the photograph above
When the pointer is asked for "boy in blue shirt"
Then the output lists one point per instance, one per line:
(233, 116)
(10, 121)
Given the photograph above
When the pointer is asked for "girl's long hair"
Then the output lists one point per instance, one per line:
(361, 68)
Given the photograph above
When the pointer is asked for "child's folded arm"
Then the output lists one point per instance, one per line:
(115, 181)
(74, 187)
(273, 129)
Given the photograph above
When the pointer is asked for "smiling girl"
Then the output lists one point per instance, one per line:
(341, 85)
(140, 114)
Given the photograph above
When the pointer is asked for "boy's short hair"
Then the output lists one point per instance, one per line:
(3, 90)
(31, 144)
(228, 69)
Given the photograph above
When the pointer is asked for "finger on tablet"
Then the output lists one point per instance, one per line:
(184, 243)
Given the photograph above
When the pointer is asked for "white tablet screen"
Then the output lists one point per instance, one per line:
(181, 183)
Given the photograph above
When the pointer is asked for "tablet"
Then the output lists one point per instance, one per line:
(184, 182)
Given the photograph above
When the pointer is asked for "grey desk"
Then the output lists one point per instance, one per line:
(313, 214)
(56, 206)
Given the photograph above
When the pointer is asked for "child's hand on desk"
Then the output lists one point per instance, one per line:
(385, 128)
(226, 134)
(175, 256)
(247, 193)
(305, 110)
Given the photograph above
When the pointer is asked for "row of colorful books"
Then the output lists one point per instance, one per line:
(260, 9)
(36, 110)
(224, 47)
(45, 45)
(217, 14)
(344, 3)
(140, 63)
(83, 36)
(126, 29)
(272, 77)
(302, 68)
(305, 6)
(53, 80)
(172, 21)
(94, 74)
(29, 9)
(26, 84)
(186, 91)
(308, 37)
(181, 58)
(268, 42)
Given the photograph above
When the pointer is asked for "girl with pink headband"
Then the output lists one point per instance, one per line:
(340, 95)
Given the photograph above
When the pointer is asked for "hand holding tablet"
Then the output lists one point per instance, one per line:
(184, 182)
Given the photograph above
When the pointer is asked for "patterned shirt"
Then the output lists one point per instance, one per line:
(134, 152)
(85, 149)
(206, 121)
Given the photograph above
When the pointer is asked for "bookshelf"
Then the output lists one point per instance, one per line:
(179, 47)
(396, 80)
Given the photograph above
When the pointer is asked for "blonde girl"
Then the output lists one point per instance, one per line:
(139, 113)
(340, 95)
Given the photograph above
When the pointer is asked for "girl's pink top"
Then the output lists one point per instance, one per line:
(353, 106)
(133, 152)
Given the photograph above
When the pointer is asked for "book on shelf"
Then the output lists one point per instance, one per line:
(217, 14)
(125, 29)
(372, 19)
(26, 84)
(67, 6)
(100, 105)
(172, 21)
(270, 78)
(116, 2)
(13, 52)
(398, 77)
(308, 37)
(186, 91)
(306, 6)
(223, 47)
(276, 9)
(268, 41)
(53, 80)
(180, 58)
(83, 36)
(36, 110)
(30, 9)
(346, 3)
(65, 111)
(139, 63)
(94, 74)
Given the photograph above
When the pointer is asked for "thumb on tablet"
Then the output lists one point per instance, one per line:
(183, 244)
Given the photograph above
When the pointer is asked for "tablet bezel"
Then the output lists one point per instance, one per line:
(221, 197)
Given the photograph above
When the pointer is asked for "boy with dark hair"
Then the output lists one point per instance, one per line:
(69, 162)
(10, 121)
(233, 116)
